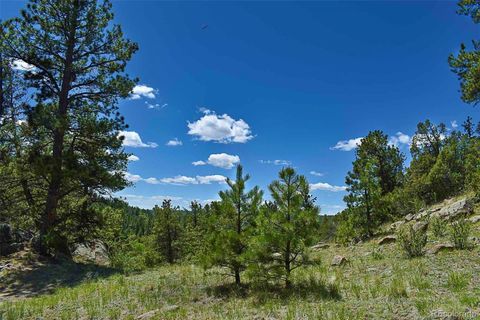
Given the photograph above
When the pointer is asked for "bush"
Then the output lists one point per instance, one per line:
(135, 254)
(459, 233)
(411, 241)
(438, 227)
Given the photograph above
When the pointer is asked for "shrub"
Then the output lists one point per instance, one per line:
(411, 241)
(135, 254)
(459, 233)
(438, 227)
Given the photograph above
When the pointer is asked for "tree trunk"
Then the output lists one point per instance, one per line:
(287, 266)
(239, 248)
(368, 213)
(237, 277)
(53, 195)
(2, 106)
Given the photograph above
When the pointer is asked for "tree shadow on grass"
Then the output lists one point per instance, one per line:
(46, 276)
(313, 289)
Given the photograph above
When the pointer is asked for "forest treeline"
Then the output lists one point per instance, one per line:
(62, 74)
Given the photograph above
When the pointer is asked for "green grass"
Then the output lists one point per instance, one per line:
(378, 283)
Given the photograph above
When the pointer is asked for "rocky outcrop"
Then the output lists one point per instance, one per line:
(387, 239)
(339, 261)
(448, 210)
(396, 225)
(92, 252)
(12, 240)
(474, 219)
(440, 247)
(320, 245)
(454, 210)
(420, 226)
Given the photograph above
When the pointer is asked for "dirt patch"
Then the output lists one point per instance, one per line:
(26, 274)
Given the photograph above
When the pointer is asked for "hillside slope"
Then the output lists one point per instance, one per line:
(376, 282)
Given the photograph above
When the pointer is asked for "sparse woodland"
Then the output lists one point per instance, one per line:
(62, 160)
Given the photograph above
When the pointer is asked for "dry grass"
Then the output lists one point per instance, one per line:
(378, 283)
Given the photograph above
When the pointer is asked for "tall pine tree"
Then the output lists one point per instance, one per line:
(77, 60)
(232, 225)
(286, 228)
(377, 171)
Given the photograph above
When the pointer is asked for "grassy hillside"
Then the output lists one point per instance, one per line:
(377, 282)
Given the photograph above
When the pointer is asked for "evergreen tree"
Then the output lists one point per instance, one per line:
(286, 228)
(195, 210)
(466, 63)
(468, 127)
(232, 223)
(377, 171)
(168, 231)
(77, 63)
(195, 230)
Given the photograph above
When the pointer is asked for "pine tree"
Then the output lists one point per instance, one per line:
(466, 63)
(232, 224)
(377, 171)
(286, 228)
(168, 231)
(77, 63)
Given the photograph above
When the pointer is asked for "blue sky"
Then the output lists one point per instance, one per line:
(257, 82)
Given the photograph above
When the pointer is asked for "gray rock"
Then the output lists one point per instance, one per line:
(92, 252)
(474, 219)
(387, 239)
(420, 226)
(422, 214)
(454, 210)
(409, 217)
(172, 307)
(320, 245)
(440, 247)
(394, 226)
(339, 260)
(147, 315)
(474, 240)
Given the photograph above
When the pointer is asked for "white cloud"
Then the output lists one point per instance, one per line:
(315, 173)
(221, 160)
(347, 145)
(454, 124)
(212, 178)
(220, 128)
(148, 202)
(326, 187)
(22, 65)
(152, 105)
(141, 90)
(184, 180)
(151, 180)
(155, 105)
(133, 157)
(174, 143)
(399, 138)
(424, 139)
(276, 162)
(132, 177)
(132, 139)
(179, 180)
